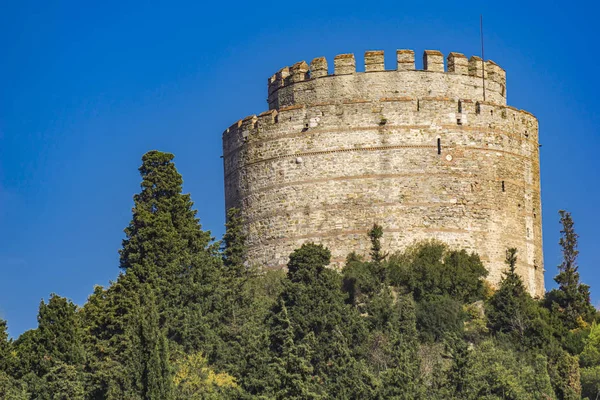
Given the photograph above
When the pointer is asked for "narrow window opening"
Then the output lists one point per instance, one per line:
(276, 118)
(458, 121)
(503, 187)
(478, 108)
(418, 105)
(439, 146)
(460, 106)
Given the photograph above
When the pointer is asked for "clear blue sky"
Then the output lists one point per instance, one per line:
(86, 90)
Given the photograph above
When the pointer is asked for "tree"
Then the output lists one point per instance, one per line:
(430, 268)
(64, 382)
(196, 380)
(234, 244)
(234, 297)
(52, 352)
(591, 352)
(293, 370)
(5, 347)
(590, 383)
(11, 389)
(438, 317)
(166, 248)
(149, 358)
(375, 234)
(572, 299)
(401, 377)
(319, 317)
(60, 333)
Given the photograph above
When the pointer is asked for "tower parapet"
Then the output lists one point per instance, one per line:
(416, 151)
(302, 84)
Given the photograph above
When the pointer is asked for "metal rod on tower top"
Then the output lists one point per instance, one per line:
(482, 54)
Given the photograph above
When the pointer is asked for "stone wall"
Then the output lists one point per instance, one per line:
(418, 152)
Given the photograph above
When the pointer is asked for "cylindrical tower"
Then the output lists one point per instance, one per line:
(420, 152)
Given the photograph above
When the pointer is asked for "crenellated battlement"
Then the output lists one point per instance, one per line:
(462, 78)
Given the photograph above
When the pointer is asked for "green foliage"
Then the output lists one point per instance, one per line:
(375, 234)
(6, 359)
(489, 371)
(572, 298)
(291, 361)
(511, 310)
(64, 382)
(590, 382)
(189, 319)
(563, 369)
(234, 244)
(590, 356)
(430, 268)
(59, 333)
(194, 379)
(166, 248)
(50, 359)
(11, 388)
(438, 317)
(149, 361)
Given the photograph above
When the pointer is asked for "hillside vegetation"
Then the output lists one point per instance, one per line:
(186, 318)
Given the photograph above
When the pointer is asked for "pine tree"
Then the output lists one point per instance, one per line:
(509, 308)
(572, 297)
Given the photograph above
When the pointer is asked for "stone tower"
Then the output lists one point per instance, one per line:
(420, 152)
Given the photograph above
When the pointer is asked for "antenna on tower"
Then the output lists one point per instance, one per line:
(482, 54)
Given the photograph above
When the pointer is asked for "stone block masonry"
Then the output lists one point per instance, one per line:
(417, 151)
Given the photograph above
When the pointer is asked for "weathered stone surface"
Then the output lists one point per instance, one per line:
(374, 61)
(458, 63)
(405, 60)
(344, 64)
(338, 153)
(433, 60)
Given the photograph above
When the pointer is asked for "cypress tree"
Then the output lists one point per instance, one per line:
(5, 347)
(292, 368)
(375, 234)
(234, 245)
(153, 370)
(572, 296)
